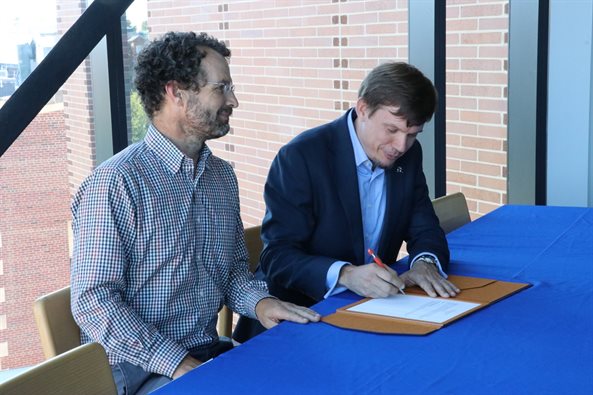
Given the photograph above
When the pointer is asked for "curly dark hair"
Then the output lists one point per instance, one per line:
(400, 85)
(176, 56)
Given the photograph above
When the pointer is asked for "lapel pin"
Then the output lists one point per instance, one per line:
(399, 169)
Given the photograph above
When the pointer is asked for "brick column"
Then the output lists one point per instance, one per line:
(78, 109)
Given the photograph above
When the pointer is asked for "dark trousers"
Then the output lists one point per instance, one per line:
(133, 380)
(246, 329)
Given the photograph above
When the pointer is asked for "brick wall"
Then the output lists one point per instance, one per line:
(39, 172)
(299, 64)
(34, 210)
(477, 53)
(296, 65)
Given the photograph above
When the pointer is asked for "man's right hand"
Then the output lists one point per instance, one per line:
(370, 280)
(188, 363)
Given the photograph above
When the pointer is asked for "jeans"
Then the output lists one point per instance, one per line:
(133, 380)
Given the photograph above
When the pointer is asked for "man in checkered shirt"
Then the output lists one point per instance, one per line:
(159, 243)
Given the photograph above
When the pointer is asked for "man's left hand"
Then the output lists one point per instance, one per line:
(270, 312)
(427, 276)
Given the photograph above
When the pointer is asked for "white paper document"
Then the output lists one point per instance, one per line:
(413, 307)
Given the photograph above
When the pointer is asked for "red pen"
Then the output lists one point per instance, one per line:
(379, 262)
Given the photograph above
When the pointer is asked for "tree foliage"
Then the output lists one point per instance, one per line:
(139, 118)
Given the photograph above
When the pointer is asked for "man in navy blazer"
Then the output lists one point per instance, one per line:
(351, 185)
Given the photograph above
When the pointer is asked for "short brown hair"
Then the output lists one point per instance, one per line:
(400, 85)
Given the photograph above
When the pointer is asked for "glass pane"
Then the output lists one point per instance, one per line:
(477, 56)
(38, 174)
(137, 37)
(295, 65)
(29, 30)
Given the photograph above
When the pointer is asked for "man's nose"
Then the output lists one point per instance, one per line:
(399, 144)
(231, 100)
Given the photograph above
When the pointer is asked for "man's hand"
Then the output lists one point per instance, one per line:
(371, 280)
(270, 312)
(188, 363)
(427, 276)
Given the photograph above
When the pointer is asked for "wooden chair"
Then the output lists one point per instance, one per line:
(83, 370)
(254, 248)
(57, 329)
(452, 211)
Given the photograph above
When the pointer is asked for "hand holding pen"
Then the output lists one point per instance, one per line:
(371, 281)
(379, 262)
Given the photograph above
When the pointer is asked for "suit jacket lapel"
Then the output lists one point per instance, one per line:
(345, 181)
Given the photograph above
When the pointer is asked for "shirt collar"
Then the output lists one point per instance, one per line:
(360, 157)
(171, 156)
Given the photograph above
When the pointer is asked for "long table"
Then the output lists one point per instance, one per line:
(538, 341)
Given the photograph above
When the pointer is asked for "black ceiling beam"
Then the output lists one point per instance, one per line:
(117, 88)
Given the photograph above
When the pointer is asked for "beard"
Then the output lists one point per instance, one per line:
(206, 123)
(380, 165)
(221, 124)
(385, 159)
(385, 165)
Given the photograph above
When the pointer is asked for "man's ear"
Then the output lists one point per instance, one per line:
(172, 91)
(361, 108)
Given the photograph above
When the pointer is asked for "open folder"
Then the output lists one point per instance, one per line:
(477, 293)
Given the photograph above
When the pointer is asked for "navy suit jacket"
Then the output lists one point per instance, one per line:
(313, 216)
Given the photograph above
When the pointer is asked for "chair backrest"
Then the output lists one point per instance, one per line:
(83, 370)
(254, 248)
(57, 329)
(452, 211)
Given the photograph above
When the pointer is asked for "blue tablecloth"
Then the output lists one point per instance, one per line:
(539, 341)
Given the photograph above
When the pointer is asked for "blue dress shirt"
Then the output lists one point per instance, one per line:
(372, 192)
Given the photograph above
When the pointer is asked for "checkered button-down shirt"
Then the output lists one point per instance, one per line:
(158, 249)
